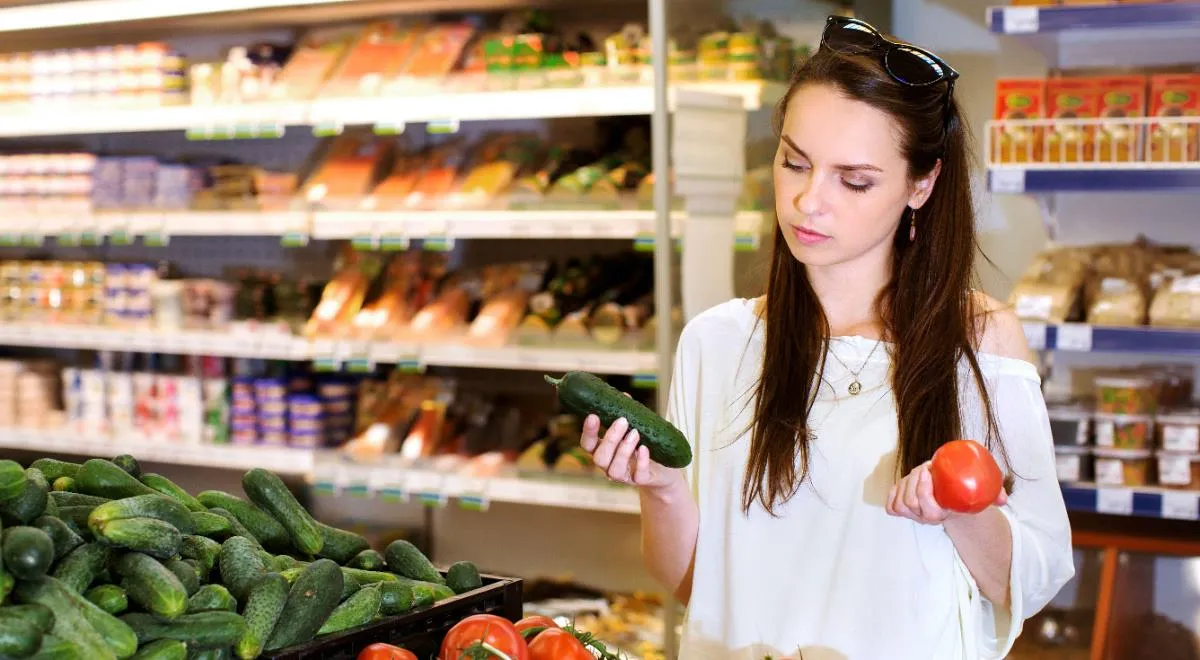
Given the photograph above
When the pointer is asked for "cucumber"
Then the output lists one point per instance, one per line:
(369, 577)
(62, 483)
(54, 469)
(108, 597)
(202, 630)
(428, 591)
(340, 545)
(28, 552)
(56, 648)
(267, 558)
(350, 586)
(583, 393)
(368, 560)
(64, 498)
(19, 638)
(241, 567)
(214, 526)
(30, 503)
(223, 653)
(7, 582)
(269, 492)
(186, 574)
(12, 479)
(311, 599)
(149, 535)
(163, 649)
(236, 527)
(76, 517)
(284, 562)
(40, 616)
(212, 598)
(69, 621)
(396, 598)
(144, 506)
(170, 489)
(202, 549)
(357, 611)
(65, 540)
(104, 479)
(263, 608)
(196, 566)
(118, 636)
(79, 569)
(129, 464)
(149, 584)
(463, 577)
(267, 531)
(51, 508)
(293, 574)
(403, 558)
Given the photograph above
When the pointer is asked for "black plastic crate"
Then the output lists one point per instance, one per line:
(420, 631)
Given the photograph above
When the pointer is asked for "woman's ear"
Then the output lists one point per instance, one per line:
(924, 187)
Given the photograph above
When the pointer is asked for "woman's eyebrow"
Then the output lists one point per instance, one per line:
(848, 167)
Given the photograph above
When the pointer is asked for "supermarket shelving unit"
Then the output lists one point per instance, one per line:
(1129, 526)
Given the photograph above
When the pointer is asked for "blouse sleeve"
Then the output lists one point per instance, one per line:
(1042, 559)
(683, 402)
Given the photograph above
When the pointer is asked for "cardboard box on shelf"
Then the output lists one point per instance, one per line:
(1120, 96)
(1174, 95)
(1068, 99)
(1017, 99)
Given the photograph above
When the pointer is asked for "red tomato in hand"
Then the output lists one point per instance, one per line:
(385, 652)
(966, 478)
(530, 624)
(484, 629)
(558, 644)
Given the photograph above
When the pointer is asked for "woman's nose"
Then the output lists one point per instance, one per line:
(808, 197)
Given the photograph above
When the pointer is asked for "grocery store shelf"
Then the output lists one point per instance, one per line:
(394, 481)
(329, 115)
(332, 354)
(580, 224)
(1080, 337)
(283, 460)
(76, 13)
(1072, 18)
(1146, 502)
(1125, 178)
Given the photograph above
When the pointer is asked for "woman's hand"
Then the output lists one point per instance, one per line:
(912, 498)
(620, 457)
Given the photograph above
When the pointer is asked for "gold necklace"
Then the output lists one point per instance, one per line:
(855, 383)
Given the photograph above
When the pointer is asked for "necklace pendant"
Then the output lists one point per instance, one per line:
(855, 388)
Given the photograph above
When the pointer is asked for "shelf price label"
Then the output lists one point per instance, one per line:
(357, 357)
(1074, 337)
(1007, 180)
(1180, 505)
(1020, 20)
(1035, 334)
(471, 492)
(427, 487)
(386, 485)
(1117, 501)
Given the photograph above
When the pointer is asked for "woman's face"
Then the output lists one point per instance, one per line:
(841, 182)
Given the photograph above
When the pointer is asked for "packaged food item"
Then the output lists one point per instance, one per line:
(1070, 99)
(311, 63)
(1070, 425)
(1126, 395)
(382, 49)
(1176, 304)
(434, 58)
(1179, 470)
(1120, 96)
(1121, 302)
(1018, 99)
(1179, 430)
(1174, 95)
(1073, 464)
(349, 170)
(1124, 431)
(1123, 467)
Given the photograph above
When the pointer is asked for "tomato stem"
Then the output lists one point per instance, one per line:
(495, 651)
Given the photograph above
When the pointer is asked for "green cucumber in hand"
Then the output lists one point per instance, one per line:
(585, 394)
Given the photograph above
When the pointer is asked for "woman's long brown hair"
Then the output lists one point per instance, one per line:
(926, 309)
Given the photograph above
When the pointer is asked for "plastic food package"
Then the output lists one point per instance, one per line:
(380, 51)
(1070, 425)
(1124, 431)
(1121, 302)
(1179, 431)
(1018, 99)
(1177, 304)
(1073, 464)
(1123, 467)
(1179, 470)
(1174, 95)
(311, 63)
(1126, 395)
(1071, 98)
(1120, 96)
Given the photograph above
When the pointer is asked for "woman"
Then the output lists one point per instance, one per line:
(806, 522)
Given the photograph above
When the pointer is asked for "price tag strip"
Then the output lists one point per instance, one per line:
(426, 487)
(1074, 337)
(1035, 334)
(1181, 505)
(387, 485)
(1117, 501)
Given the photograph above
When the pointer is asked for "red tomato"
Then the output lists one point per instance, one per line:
(476, 631)
(532, 626)
(558, 644)
(385, 652)
(966, 478)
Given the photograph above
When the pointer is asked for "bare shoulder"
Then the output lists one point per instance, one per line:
(998, 330)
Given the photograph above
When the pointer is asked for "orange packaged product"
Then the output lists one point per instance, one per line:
(498, 317)
(1120, 96)
(1070, 99)
(311, 63)
(1175, 95)
(348, 171)
(447, 312)
(382, 50)
(398, 185)
(437, 178)
(434, 58)
(1018, 99)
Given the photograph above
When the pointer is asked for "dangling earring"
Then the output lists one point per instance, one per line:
(912, 225)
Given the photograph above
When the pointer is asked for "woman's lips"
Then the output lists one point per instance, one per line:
(808, 236)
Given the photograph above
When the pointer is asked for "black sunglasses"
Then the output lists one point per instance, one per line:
(906, 64)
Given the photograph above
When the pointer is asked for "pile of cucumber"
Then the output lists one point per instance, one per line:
(99, 561)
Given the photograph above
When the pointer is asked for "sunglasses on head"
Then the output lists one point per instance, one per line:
(906, 64)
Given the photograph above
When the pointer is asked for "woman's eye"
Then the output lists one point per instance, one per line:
(790, 165)
(856, 187)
